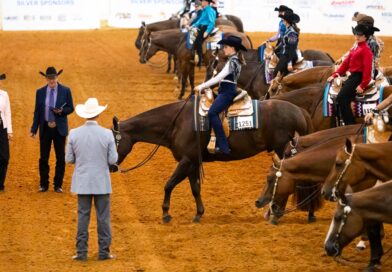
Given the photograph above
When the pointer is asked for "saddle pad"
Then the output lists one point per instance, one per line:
(236, 123)
(212, 42)
(241, 107)
(360, 106)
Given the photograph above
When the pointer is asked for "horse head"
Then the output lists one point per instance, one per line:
(142, 29)
(346, 171)
(147, 50)
(345, 226)
(271, 192)
(276, 85)
(123, 142)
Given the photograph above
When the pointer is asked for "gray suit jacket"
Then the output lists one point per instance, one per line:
(92, 149)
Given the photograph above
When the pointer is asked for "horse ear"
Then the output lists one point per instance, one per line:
(349, 145)
(115, 123)
(275, 158)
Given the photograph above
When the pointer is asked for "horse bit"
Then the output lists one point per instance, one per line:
(346, 165)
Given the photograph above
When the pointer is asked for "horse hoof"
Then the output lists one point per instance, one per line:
(311, 219)
(166, 219)
(196, 219)
(274, 220)
(373, 268)
(179, 97)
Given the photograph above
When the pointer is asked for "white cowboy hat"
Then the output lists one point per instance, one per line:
(89, 109)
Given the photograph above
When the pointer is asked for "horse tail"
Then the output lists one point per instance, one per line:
(329, 56)
(250, 42)
(309, 123)
(307, 196)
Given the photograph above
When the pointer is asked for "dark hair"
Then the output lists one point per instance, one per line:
(241, 57)
(296, 28)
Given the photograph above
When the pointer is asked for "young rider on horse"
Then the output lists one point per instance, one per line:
(375, 44)
(205, 25)
(227, 79)
(281, 30)
(288, 55)
(359, 64)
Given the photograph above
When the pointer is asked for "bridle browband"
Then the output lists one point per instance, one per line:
(346, 165)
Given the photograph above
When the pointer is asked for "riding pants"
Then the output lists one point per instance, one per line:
(4, 154)
(222, 102)
(346, 95)
(199, 43)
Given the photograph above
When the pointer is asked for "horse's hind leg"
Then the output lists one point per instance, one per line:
(181, 172)
(194, 179)
(192, 79)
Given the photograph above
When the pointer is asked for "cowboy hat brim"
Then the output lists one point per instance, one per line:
(81, 111)
(51, 75)
(233, 44)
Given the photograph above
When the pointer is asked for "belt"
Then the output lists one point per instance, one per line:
(51, 124)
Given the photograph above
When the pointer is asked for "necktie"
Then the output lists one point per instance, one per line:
(51, 117)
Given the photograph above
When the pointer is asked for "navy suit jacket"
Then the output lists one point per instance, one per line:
(63, 96)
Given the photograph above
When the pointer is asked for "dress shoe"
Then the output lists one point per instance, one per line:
(106, 257)
(79, 258)
(58, 189)
(42, 189)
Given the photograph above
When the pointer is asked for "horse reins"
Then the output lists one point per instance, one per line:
(155, 149)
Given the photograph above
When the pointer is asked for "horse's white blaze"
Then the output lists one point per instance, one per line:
(361, 245)
(331, 227)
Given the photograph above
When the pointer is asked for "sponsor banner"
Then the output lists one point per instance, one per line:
(130, 13)
(49, 14)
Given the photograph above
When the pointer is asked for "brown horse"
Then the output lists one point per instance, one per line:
(145, 30)
(171, 126)
(310, 166)
(311, 99)
(354, 215)
(301, 79)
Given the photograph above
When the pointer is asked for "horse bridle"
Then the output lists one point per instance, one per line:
(117, 135)
(346, 165)
(278, 174)
(346, 212)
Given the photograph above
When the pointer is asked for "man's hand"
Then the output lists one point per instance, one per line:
(359, 89)
(32, 135)
(57, 111)
(330, 79)
(368, 117)
(290, 68)
(205, 34)
(10, 136)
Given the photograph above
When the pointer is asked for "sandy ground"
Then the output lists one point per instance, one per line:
(37, 230)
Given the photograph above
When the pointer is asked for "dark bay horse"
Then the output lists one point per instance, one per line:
(311, 166)
(171, 126)
(353, 216)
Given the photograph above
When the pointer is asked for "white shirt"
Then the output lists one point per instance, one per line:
(5, 111)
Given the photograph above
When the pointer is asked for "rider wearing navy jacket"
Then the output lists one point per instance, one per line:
(227, 79)
(289, 44)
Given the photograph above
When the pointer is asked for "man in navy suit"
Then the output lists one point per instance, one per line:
(53, 103)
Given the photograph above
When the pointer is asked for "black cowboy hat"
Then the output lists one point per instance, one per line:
(284, 8)
(233, 41)
(51, 72)
(362, 30)
(290, 17)
(209, 1)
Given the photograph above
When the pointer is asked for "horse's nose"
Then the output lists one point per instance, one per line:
(331, 248)
(261, 202)
(142, 61)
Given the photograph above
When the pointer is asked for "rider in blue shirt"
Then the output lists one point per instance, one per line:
(282, 29)
(205, 24)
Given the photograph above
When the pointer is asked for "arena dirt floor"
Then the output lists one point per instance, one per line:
(37, 230)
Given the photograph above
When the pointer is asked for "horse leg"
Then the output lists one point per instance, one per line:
(181, 172)
(175, 64)
(376, 250)
(169, 59)
(194, 180)
(192, 79)
(311, 216)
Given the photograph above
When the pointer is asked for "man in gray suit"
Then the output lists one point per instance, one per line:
(92, 149)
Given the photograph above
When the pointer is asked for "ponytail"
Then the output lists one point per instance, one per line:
(241, 57)
(296, 28)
